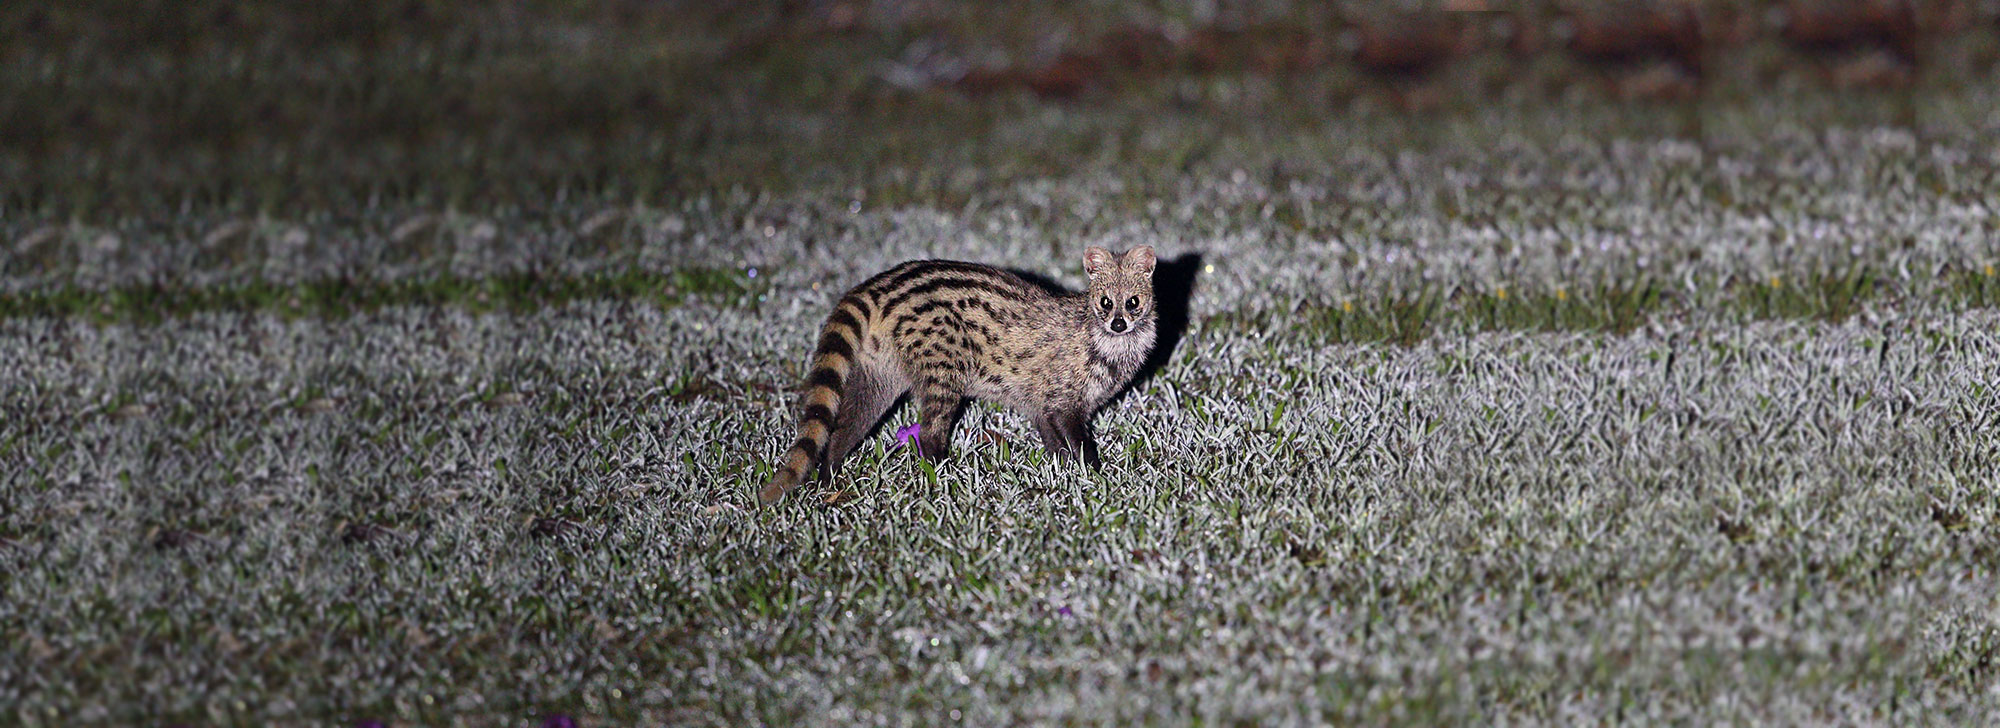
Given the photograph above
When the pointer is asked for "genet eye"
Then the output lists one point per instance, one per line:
(1132, 302)
(1105, 302)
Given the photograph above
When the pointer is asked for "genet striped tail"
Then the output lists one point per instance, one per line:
(832, 360)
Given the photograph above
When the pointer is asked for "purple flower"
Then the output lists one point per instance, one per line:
(1064, 611)
(558, 721)
(907, 436)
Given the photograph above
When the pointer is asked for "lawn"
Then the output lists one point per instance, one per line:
(353, 387)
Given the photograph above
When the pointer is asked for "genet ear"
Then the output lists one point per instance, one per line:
(1098, 261)
(1140, 259)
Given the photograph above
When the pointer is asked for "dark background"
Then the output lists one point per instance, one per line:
(125, 108)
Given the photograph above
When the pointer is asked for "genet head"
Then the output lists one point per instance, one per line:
(1121, 288)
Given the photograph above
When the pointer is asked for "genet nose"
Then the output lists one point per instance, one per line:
(1118, 325)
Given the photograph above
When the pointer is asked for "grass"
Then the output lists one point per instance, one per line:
(1411, 318)
(1544, 411)
(1760, 505)
(511, 292)
(1404, 318)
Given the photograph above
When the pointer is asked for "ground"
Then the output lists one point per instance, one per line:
(354, 387)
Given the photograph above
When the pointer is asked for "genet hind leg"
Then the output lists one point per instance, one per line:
(869, 395)
(941, 407)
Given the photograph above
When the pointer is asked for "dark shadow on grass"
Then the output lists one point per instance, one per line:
(1173, 291)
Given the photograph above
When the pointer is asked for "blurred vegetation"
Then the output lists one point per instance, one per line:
(341, 297)
(132, 106)
(144, 109)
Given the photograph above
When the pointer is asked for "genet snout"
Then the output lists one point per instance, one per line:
(1118, 325)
